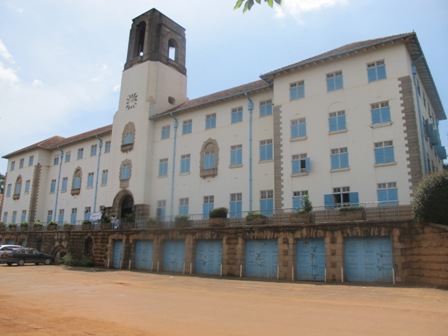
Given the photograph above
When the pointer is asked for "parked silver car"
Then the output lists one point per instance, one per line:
(6, 248)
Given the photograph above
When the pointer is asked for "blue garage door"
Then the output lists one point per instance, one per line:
(208, 257)
(118, 247)
(368, 259)
(262, 258)
(144, 254)
(173, 255)
(310, 259)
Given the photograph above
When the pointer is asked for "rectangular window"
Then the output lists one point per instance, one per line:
(13, 165)
(21, 162)
(61, 217)
(161, 210)
(339, 158)
(265, 108)
(336, 121)
(236, 155)
(77, 182)
(64, 184)
(334, 81)
(53, 186)
(18, 188)
(93, 149)
(341, 197)
(73, 216)
(5, 217)
(104, 177)
(207, 206)
(236, 205)
(210, 121)
(31, 161)
(187, 126)
(90, 180)
(237, 115)
(163, 167)
(27, 186)
(300, 164)
(209, 160)
(298, 199)
(376, 71)
(14, 217)
(165, 132)
(297, 90)
(185, 164)
(23, 217)
(184, 204)
(68, 156)
(380, 113)
(87, 212)
(80, 153)
(49, 216)
(384, 152)
(107, 147)
(8, 190)
(125, 172)
(298, 128)
(266, 151)
(267, 202)
(55, 160)
(387, 194)
(128, 138)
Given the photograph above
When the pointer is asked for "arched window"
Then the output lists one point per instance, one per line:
(140, 38)
(128, 137)
(17, 188)
(209, 159)
(76, 181)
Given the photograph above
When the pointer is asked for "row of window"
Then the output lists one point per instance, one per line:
(22, 163)
(60, 219)
(335, 80)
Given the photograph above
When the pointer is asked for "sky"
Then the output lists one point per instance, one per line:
(61, 60)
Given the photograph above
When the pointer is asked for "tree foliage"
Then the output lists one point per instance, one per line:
(249, 3)
(431, 199)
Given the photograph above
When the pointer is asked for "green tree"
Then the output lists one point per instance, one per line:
(2, 183)
(431, 199)
(249, 3)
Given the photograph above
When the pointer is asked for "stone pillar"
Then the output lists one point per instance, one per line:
(334, 246)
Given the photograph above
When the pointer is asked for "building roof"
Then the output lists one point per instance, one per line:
(409, 39)
(58, 142)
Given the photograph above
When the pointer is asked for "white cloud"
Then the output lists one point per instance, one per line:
(7, 76)
(296, 8)
(4, 53)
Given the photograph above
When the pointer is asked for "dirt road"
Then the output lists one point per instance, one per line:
(54, 300)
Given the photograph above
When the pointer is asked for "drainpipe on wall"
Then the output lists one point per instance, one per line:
(420, 117)
(173, 171)
(57, 184)
(100, 145)
(250, 106)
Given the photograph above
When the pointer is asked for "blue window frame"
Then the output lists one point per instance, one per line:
(209, 160)
(236, 205)
(265, 108)
(18, 186)
(380, 113)
(210, 121)
(93, 150)
(185, 164)
(184, 204)
(376, 71)
(27, 186)
(80, 153)
(341, 196)
(87, 212)
(90, 180)
(64, 184)
(56, 160)
(336, 121)
(107, 147)
(31, 161)
(298, 199)
(236, 155)
(161, 210)
(165, 132)
(300, 164)
(163, 167)
(125, 172)
(187, 126)
(267, 202)
(5, 217)
(14, 217)
(49, 216)
(23, 217)
(298, 128)
(339, 158)
(387, 194)
(207, 206)
(8, 190)
(335, 81)
(53, 186)
(61, 217)
(77, 180)
(266, 151)
(21, 162)
(237, 115)
(73, 216)
(13, 166)
(384, 152)
(104, 176)
(68, 156)
(128, 138)
(297, 90)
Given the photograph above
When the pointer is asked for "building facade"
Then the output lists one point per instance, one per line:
(357, 125)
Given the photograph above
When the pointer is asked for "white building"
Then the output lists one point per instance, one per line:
(355, 125)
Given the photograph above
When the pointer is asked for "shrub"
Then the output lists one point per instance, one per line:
(182, 218)
(351, 208)
(85, 221)
(307, 205)
(70, 260)
(219, 213)
(256, 217)
(431, 199)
